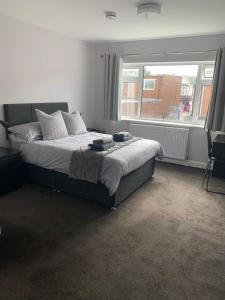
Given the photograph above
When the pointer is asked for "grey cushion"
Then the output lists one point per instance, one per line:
(52, 126)
(74, 123)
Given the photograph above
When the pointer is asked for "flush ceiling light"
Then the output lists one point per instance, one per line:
(110, 15)
(146, 8)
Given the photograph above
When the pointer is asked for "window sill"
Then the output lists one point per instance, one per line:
(164, 123)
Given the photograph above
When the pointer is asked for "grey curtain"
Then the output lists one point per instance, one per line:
(216, 114)
(113, 63)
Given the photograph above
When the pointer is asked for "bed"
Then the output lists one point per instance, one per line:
(47, 162)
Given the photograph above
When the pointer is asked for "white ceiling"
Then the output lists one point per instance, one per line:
(84, 19)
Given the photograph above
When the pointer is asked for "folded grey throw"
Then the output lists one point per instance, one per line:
(101, 147)
(102, 141)
(122, 136)
(86, 164)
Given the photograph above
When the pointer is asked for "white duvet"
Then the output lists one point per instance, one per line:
(56, 155)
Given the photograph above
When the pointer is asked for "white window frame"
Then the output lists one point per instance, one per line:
(207, 77)
(185, 89)
(144, 84)
(200, 82)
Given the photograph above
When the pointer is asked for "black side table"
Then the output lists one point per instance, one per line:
(11, 170)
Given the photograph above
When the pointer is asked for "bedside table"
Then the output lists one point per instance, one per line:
(96, 130)
(11, 170)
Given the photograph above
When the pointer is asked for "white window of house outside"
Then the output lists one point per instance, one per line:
(149, 84)
(173, 92)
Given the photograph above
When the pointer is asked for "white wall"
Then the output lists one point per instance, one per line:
(37, 65)
(197, 149)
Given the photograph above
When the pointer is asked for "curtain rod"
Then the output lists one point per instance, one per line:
(166, 53)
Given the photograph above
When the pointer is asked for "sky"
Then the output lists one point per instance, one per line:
(178, 70)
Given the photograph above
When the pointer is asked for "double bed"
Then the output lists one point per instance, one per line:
(48, 162)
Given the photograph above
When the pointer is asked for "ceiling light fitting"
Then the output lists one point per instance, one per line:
(145, 8)
(110, 15)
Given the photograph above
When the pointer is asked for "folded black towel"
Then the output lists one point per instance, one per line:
(101, 147)
(124, 133)
(122, 136)
(103, 141)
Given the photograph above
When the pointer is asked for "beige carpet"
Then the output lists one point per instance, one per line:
(167, 241)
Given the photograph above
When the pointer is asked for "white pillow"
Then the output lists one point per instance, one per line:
(74, 123)
(52, 126)
(27, 132)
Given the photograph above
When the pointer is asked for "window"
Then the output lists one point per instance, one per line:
(175, 92)
(185, 90)
(208, 72)
(149, 84)
(130, 92)
(132, 73)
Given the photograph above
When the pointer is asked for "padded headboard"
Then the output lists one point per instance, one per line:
(16, 114)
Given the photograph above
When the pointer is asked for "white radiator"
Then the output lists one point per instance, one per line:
(174, 140)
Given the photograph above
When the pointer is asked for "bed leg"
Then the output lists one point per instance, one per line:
(113, 208)
(58, 191)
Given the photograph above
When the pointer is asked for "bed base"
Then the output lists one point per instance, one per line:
(93, 192)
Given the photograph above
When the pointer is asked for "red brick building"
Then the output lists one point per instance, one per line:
(206, 96)
(163, 96)
(158, 99)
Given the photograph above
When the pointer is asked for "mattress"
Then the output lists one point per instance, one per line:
(56, 155)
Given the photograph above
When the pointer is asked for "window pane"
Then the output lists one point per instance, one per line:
(208, 72)
(186, 90)
(149, 84)
(130, 93)
(173, 93)
(131, 73)
(205, 99)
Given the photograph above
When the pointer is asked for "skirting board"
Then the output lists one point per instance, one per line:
(187, 163)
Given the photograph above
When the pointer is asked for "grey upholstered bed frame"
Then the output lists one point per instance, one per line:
(16, 114)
